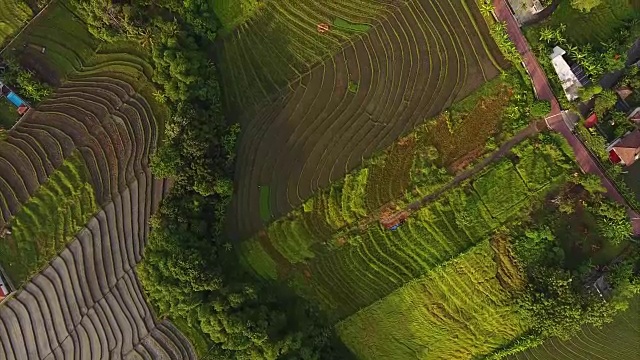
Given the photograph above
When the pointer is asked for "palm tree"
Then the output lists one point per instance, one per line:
(624, 33)
(611, 44)
(579, 56)
(546, 34)
(145, 38)
(160, 96)
(562, 27)
(486, 8)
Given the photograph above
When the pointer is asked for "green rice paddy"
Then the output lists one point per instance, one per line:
(13, 15)
(459, 310)
(49, 220)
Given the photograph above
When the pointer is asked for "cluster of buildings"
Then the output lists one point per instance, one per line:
(624, 150)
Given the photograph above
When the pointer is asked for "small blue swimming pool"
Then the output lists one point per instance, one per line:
(15, 99)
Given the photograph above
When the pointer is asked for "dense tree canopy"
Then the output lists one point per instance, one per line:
(560, 297)
(24, 82)
(190, 271)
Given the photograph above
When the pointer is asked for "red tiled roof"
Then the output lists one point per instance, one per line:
(628, 147)
(592, 120)
(624, 92)
(23, 109)
(613, 156)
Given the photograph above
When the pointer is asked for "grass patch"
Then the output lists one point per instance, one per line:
(265, 203)
(49, 220)
(353, 87)
(8, 114)
(533, 169)
(616, 340)
(459, 310)
(292, 240)
(349, 26)
(257, 259)
(578, 232)
(596, 26)
(13, 15)
(501, 188)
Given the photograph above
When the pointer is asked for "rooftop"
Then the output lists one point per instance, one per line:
(569, 80)
(628, 147)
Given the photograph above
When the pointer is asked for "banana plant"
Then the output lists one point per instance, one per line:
(546, 34)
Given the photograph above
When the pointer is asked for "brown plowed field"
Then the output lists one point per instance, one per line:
(417, 59)
(88, 303)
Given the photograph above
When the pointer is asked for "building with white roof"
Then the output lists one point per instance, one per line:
(569, 80)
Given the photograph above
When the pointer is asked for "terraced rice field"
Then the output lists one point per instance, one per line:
(88, 303)
(596, 26)
(67, 44)
(460, 310)
(111, 125)
(13, 15)
(346, 269)
(289, 87)
(619, 340)
(88, 299)
(49, 220)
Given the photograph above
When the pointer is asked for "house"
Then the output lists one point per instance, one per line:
(4, 289)
(524, 11)
(13, 98)
(393, 221)
(4, 292)
(624, 92)
(571, 78)
(626, 149)
(591, 121)
(602, 287)
(634, 116)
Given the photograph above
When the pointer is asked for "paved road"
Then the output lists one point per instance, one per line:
(554, 120)
(540, 82)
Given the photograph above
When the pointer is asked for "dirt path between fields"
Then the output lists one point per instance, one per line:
(533, 129)
(503, 150)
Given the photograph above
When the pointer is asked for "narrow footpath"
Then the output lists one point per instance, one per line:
(531, 130)
(555, 120)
